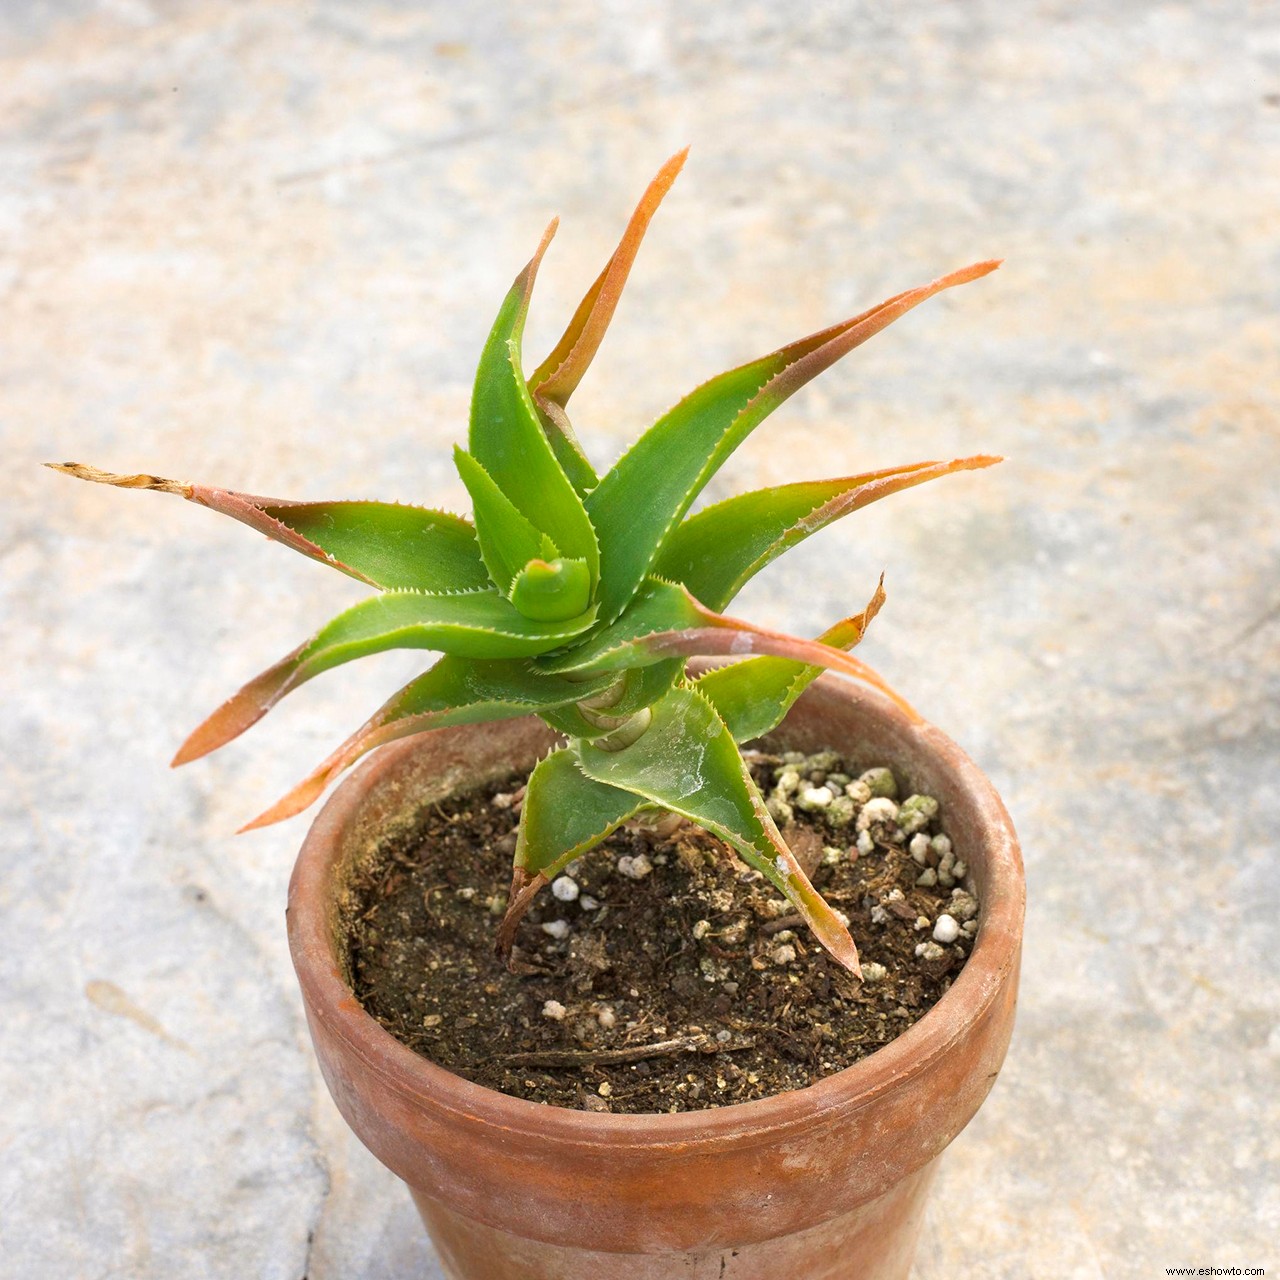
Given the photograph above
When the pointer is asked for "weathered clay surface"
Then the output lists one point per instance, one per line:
(260, 245)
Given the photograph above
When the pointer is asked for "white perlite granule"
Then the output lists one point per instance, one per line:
(635, 868)
(946, 929)
(565, 888)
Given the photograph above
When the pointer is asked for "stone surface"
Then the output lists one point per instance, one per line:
(260, 246)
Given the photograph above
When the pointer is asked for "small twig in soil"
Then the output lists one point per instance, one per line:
(782, 922)
(719, 952)
(614, 1057)
(426, 901)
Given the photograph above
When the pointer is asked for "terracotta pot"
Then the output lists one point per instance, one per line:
(823, 1183)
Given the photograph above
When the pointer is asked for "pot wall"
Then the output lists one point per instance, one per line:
(823, 1181)
(881, 1235)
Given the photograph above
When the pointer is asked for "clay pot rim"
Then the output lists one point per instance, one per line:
(425, 1083)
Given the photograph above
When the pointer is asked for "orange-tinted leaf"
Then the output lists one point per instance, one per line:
(474, 624)
(558, 375)
(754, 695)
(386, 544)
(721, 548)
(453, 691)
(651, 487)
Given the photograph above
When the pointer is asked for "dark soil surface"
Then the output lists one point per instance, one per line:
(691, 986)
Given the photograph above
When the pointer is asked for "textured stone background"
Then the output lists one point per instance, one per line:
(260, 245)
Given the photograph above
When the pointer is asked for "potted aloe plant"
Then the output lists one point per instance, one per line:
(567, 610)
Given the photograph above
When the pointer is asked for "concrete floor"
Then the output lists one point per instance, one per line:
(260, 246)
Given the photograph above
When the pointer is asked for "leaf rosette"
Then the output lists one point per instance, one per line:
(579, 597)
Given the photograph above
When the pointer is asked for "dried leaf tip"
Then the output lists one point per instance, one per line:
(556, 378)
(82, 471)
(980, 269)
(547, 236)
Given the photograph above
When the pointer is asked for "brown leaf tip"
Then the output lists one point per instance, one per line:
(82, 471)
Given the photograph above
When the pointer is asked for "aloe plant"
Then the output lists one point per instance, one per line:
(578, 597)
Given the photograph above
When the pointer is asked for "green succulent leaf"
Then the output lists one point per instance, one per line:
(688, 762)
(638, 687)
(754, 695)
(552, 591)
(385, 544)
(453, 691)
(507, 540)
(566, 446)
(650, 488)
(718, 550)
(743, 640)
(565, 813)
(507, 437)
(476, 624)
(664, 621)
(657, 607)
